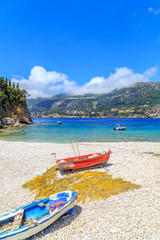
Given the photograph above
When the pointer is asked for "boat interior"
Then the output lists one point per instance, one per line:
(30, 215)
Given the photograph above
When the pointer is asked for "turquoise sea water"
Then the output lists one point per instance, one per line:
(88, 130)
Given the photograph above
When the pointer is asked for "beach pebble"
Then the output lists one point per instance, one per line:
(129, 215)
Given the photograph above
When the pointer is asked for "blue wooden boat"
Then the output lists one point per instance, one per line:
(30, 219)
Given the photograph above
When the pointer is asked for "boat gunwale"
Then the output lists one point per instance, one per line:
(80, 159)
(44, 219)
(92, 163)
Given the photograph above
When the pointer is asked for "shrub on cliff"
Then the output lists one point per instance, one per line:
(13, 95)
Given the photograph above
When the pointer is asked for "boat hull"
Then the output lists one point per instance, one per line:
(119, 128)
(84, 162)
(30, 231)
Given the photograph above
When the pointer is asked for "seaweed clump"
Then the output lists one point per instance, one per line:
(90, 185)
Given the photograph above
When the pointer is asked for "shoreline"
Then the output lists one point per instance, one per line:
(6, 140)
(62, 117)
(133, 214)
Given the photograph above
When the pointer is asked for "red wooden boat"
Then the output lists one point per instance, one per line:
(85, 161)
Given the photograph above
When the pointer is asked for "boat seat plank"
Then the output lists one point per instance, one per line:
(17, 219)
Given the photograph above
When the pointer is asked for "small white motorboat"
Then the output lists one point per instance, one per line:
(119, 128)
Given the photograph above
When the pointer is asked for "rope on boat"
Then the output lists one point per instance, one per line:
(73, 147)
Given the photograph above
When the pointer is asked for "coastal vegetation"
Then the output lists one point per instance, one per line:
(13, 108)
(90, 185)
(138, 100)
(11, 93)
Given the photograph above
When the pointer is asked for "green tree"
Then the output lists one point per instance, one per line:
(9, 93)
(17, 86)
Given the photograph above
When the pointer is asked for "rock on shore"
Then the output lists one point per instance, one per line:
(19, 118)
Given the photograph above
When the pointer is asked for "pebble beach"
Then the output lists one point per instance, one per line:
(130, 215)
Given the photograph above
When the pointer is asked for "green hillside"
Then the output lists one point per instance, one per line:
(139, 98)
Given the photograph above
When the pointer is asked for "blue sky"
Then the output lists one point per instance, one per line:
(79, 46)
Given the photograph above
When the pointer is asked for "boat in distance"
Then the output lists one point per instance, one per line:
(85, 161)
(30, 219)
(119, 128)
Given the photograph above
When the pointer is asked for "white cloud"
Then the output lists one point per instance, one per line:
(123, 77)
(45, 84)
(151, 10)
(157, 11)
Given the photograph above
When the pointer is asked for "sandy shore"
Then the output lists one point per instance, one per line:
(130, 215)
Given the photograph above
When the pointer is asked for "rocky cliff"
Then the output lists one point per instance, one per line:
(13, 108)
(154, 112)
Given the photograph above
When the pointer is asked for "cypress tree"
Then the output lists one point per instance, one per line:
(17, 86)
(14, 85)
(10, 82)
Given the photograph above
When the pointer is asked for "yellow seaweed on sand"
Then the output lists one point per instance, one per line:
(90, 185)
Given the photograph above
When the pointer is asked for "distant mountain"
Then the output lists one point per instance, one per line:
(134, 101)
